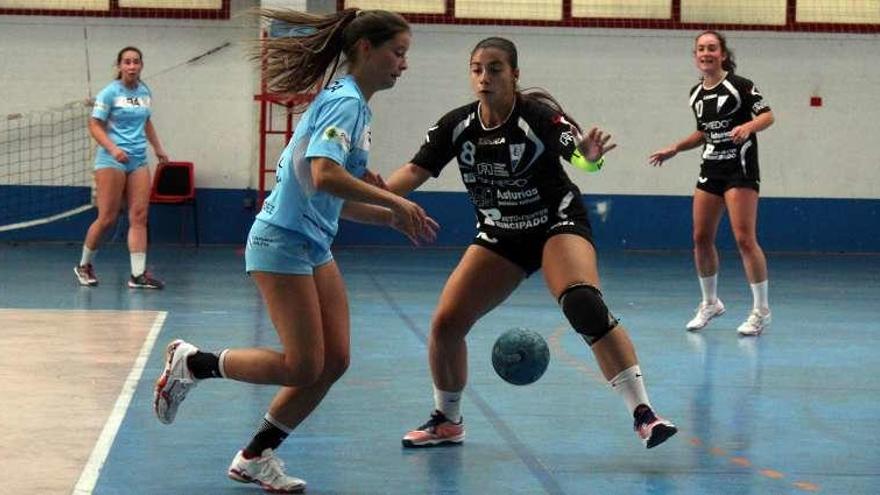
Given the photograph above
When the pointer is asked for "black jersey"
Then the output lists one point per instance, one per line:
(513, 172)
(728, 104)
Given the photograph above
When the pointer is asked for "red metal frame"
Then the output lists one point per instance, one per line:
(269, 103)
(115, 10)
(673, 22)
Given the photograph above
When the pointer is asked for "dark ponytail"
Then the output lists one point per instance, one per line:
(537, 95)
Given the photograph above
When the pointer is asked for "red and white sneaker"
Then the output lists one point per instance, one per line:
(85, 275)
(175, 381)
(267, 471)
(652, 429)
(439, 430)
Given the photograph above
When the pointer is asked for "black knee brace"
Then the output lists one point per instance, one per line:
(586, 311)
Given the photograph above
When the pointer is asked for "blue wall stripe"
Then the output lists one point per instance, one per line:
(619, 222)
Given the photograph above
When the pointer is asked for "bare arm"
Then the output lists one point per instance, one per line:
(690, 142)
(153, 138)
(407, 179)
(741, 133)
(98, 130)
(368, 201)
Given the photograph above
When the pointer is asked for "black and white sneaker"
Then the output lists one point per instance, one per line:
(85, 275)
(144, 281)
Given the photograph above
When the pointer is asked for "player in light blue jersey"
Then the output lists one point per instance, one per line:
(122, 127)
(321, 176)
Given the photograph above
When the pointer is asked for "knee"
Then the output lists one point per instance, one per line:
(106, 220)
(303, 371)
(138, 216)
(746, 242)
(703, 239)
(335, 365)
(448, 326)
(585, 309)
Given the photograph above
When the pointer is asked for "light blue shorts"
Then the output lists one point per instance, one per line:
(105, 160)
(278, 250)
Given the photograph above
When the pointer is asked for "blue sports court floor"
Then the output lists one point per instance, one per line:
(794, 411)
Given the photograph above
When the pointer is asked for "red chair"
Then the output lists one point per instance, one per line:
(174, 184)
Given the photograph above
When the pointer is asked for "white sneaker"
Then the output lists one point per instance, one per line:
(704, 313)
(175, 381)
(755, 323)
(266, 471)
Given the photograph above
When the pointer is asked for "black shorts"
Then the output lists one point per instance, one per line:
(526, 250)
(719, 186)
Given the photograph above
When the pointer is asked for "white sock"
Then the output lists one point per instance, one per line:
(87, 256)
(221, 363)
(629, 384)
(138, 263)
(449, 403)
(708, 285)
(277, 424)
(759, 295)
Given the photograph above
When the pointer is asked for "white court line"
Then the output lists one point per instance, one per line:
(89, 476)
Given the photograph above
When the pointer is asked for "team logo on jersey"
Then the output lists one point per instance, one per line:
(566, 138)
(721, 100)
(366, 139)
(516, 154)
(428, 134)
(490, 141)
(338, 136)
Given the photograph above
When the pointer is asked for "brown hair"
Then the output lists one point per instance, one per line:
(301, 62)
(535, 94)
(121, 53)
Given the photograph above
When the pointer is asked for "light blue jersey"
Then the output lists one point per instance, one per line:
(336, 126)
(125, 112)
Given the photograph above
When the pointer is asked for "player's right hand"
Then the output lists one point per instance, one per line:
(119, 155)
(411, 220)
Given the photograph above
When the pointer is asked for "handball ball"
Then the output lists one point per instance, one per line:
(520, 356)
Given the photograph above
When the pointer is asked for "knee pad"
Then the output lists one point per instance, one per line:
(586, 311)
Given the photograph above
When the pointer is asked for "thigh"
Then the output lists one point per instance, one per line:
(707, 211)
(109, 188)
(333, 300)
(138, 188)
(569, 259)
(481, 281)
(742, 208)
(295, 310)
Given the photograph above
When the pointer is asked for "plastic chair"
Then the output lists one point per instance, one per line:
(174, 184)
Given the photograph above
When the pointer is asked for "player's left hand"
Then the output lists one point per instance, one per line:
(595, 143)
(740, 134)
(162, 156)
(374, 179)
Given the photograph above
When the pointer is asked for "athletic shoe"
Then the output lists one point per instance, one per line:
(704, 313)
(266, 471)
(144, 281)
(175, 381)
(652, 429)
(439, 430)
(85, 275)
(755, 324)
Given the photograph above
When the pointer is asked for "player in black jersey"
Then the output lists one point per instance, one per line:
(509, 146)
(724, 105)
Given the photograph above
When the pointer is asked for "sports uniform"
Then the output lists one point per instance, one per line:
(296, 226)
(718, 110)
(125, 111)
(514, 176)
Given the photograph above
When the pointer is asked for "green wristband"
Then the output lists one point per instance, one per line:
(581, 162)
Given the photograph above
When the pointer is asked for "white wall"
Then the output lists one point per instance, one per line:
(634, 83)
